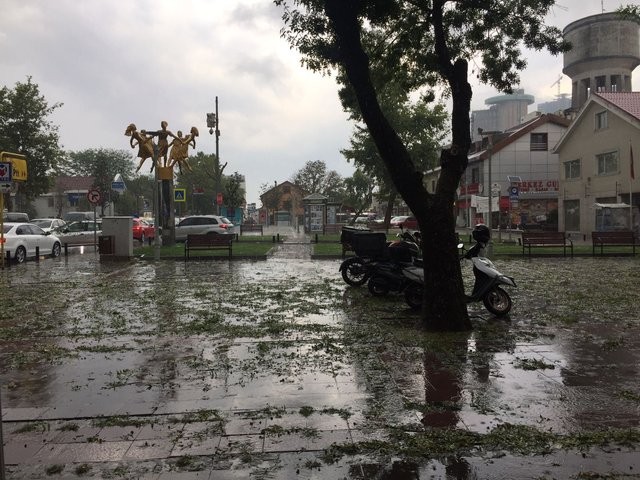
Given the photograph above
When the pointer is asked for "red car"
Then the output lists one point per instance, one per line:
(142, 231)
(410, 223)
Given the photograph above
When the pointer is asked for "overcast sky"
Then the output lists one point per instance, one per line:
(112, 63)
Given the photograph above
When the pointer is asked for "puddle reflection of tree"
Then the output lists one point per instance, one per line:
(388, 368)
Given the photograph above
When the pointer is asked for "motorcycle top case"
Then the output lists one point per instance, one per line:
(348, 232)
(402, 253)
(370, 244)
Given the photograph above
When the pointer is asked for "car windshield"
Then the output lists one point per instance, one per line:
(6, 228)
(42, 223)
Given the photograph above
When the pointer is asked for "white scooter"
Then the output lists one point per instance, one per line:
(487, 279)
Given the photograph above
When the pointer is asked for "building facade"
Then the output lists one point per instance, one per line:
(521, 170)
(599, 185)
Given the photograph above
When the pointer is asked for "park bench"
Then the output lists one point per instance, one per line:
(251, 227)
(546, 239)
(207, 242)
(623, 238)
(332, 229)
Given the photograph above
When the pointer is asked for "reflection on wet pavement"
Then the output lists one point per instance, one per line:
(277, 369)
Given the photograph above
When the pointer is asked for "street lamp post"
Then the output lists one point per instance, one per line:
(489, 136)
(212, 123)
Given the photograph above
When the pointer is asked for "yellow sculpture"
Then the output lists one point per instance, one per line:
(179, 149)
(144, 143)
(163, 143)
(178, 154)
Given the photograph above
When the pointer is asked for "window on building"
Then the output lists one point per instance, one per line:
(601, 120)
(539, 142)
(615, 83)
(601, 83)
(475, 175)
(572, 169)
(572, 215)
(607, 163)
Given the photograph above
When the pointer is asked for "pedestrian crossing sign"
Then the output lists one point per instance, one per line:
(180, 195)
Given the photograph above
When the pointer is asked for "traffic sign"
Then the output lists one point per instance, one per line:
(118, 187)
(179, 195)
(94, 196)
(5, 173)
(514, 192)
(219, 198)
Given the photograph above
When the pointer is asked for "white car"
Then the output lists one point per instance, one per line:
(85, 232)
(21, 240)
(198, 224)
(48, 224)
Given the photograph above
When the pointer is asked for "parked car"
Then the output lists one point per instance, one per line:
(15, 217)
(142, 230)
(85, 232)
(22, 239)
(410, 223)
(396, 221)
(48, 224)
(78, 216)
(213, 224)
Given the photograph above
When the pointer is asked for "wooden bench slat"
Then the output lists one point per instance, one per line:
(251, 227)
(208, 242)
(623, 238)
(546, 239)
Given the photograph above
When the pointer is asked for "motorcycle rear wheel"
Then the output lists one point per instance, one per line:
(413, 296)
(497, 301)
(377, 287)
(354, 272)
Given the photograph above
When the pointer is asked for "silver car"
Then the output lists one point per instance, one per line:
(85, 232)
(198, 224)
(22, 240)
(49, 224)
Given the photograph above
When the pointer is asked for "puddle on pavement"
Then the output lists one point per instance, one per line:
(239, 336)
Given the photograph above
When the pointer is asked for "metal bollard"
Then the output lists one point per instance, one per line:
(37, 254)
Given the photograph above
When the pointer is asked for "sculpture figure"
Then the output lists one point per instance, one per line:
(163, 143)
(144, 143)
(179, 149)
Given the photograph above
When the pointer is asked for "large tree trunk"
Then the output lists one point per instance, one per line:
(444, 306)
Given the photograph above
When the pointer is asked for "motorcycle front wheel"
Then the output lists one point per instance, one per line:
(354, 271)
(413, 296)
(377, 287)
(497, 301)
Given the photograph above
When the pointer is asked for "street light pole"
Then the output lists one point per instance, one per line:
(212, 123)
(489, 137)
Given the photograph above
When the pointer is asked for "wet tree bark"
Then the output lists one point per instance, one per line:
(444, 307)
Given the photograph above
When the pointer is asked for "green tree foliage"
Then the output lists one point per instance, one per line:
(208, 178)
(423, 44)
(233, 191)
(26, 129)
(103, 164)
(359, 191)
(314, 178)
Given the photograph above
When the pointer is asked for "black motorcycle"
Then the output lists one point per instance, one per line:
(372, 250)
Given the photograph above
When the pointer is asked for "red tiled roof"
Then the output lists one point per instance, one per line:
(627, 101)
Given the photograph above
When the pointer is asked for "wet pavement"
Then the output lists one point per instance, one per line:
(277, 369)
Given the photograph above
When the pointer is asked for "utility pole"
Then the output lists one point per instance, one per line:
(212, 123)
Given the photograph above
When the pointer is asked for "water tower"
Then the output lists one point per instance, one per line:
(605, 50)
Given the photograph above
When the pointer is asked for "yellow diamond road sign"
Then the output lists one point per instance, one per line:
(180, 195)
